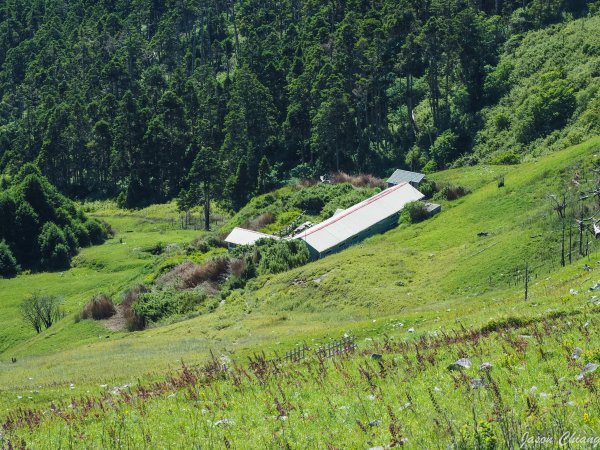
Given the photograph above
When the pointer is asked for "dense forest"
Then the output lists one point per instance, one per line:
(147, 100)
(40, 228)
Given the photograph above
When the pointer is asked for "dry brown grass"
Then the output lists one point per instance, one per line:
(237, 267)
(360, 180)
(98, 308)
(132, 320)
(260, 222)
(188, 275)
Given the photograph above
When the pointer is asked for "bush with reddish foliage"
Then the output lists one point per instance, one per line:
(260, 222)
(98, 308)
(133, 321)
(188, 275)
(360, 180)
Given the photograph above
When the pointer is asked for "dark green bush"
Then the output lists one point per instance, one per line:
(413, 212)
(279, 256)
(54, 248)
(154, 306)
(450, 192)
(313, 199)
(8, 264)
(428, 188)
(96, 231)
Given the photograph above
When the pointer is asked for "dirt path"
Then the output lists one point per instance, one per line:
(116, 322)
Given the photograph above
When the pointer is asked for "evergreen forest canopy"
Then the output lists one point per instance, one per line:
(146, 100)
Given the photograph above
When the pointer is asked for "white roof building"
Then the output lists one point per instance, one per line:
(242, 236)
(373, 215)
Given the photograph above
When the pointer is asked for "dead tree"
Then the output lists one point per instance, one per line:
(560, 206)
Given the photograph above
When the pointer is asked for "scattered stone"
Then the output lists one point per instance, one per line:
(376, 356)
(437, 389)
(411, 330)
(371, 397)
(586, 268)
(224, 422)
(577, 351)
(461, 364)
(375, 423)
(485, 367)
(533, 390)
(483, 234)
(476, 383)
(544, 394)
(595, 286)
(573, 292)
(104, 386)
(589, 368)
(379, 447)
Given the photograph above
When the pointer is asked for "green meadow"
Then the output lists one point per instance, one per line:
(419, 285)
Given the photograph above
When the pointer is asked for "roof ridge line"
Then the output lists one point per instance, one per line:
(353, 209)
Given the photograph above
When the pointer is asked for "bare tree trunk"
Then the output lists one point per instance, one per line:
(207, 207)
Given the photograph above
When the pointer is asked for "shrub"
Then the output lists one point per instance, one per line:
(54, 249)
(428, 188)
(413, 212)
(453, 192)
(361, 180)
(99, 307)
(279, 256)
(96, 230)
(133, 321)
(506, 158)
(196, 274)
(41, 311)
(313, 199)
(260, 222)
(154, 306)
(8, 264)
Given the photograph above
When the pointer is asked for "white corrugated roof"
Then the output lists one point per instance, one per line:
(242, 236)
(359, 217)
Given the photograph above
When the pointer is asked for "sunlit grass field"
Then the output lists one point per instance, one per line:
(435, 276)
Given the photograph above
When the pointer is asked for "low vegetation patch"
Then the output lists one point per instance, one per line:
(133, 321)
(451, 192)
(98, 308)
(413, 212)
(454, 388)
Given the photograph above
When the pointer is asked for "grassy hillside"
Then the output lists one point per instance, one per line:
(547, 84)
(434, 276)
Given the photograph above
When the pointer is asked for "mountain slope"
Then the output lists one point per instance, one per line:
(548, 86)
(427, 276)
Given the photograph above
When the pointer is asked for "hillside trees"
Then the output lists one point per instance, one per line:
(115, 99)
(39, 227)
